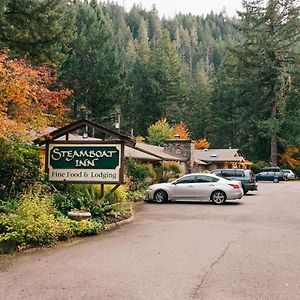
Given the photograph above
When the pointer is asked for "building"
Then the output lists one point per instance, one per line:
(206, 159)
(179, 150)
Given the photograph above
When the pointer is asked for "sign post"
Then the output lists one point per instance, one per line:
(84, 160)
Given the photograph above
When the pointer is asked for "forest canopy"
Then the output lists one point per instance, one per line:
(234, 82)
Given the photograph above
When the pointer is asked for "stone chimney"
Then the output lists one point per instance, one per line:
(180, 147)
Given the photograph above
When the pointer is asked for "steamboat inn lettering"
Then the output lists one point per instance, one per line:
(84, 162)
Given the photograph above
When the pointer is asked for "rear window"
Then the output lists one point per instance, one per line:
(228, 173)
(239, 173)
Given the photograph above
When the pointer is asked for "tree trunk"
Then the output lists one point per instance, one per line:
(274, 139)
(274, 149)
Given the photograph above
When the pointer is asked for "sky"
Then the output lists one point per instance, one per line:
(169, 8)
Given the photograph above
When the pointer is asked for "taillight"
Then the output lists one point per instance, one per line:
(251, 180)
(234, 185)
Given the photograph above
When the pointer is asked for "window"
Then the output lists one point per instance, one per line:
(239, 173)
(218, 173)
(186, 179)
(205, 179)
(228, 173)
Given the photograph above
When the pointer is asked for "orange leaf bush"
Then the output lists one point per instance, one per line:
(202, 144)
(182, 130)
(288, 157)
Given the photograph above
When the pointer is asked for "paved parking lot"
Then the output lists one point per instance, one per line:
(247, 249)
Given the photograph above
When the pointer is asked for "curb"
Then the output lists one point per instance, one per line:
(118, 224)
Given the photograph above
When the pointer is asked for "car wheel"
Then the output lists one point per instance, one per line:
(244, 190)
(218, 197)
(160, 196)
(275, 180)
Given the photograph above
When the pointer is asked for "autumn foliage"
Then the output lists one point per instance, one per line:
(202, 144)
(288, 158)
(159, 132)
(182, 130)
(28, 99)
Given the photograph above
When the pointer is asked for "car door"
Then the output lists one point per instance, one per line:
(183, 187)
(204, 186)
(270, 175)
(262, 176)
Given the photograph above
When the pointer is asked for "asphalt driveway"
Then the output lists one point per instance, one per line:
(247, 249)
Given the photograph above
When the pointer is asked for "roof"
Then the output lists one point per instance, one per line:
(158, 152)
(217, 155)
(136, 154)
(68, 129)
(141, 151)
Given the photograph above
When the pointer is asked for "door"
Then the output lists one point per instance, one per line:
(204, 186)
(183, 187)
(262, 176)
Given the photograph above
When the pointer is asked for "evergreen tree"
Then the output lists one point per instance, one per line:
(270, 31)
(93, 70)
(229, 122)
(197, 109)
(160, 86)
(155, 30)
(41, 30)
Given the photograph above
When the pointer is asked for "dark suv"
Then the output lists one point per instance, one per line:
(274, 176)
(246, 177)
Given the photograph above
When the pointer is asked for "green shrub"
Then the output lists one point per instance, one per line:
(37, 222)
(71, 199)
(19, 167)
(87, 197)
(116, 201)
(33, 222)
(297, 172)
(137, 172)
(168, 171)
(87, 227)
(8, 205)
(136, 196)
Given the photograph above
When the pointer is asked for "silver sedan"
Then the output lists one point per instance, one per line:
(196, 186)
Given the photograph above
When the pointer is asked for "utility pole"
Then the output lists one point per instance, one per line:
(118, 120)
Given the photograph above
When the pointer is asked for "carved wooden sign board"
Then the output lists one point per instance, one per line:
(85, 160)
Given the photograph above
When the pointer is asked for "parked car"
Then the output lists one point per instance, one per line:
(289, 174)
(246, 177)
(274, 176)
(266, 169)
(196, 186)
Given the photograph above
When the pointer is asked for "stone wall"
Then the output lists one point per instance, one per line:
(182, 148)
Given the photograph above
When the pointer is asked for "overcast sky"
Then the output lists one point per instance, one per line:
(169, 8)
